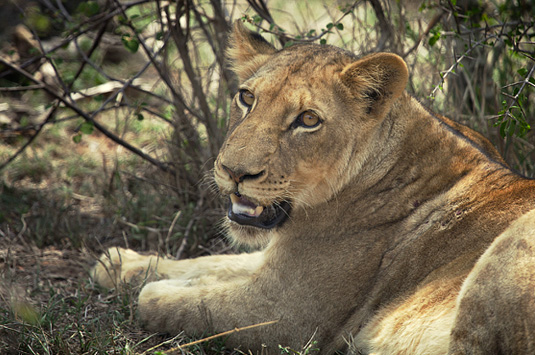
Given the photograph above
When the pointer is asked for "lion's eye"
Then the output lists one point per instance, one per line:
(307, 119)
(246, 98)
(310, 119)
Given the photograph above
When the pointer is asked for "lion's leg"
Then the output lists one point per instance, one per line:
(124, 265)
(496, 306)
(265, 296)
(419, 324)
(167, 306)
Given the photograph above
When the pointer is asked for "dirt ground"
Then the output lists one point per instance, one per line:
(49, 304)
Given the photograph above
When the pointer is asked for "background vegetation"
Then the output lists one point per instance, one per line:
(111, 114)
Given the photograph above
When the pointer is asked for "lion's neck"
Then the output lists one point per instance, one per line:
(410, 145)
(414, 161)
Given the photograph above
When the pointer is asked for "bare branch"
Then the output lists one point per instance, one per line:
(49, 118)
(72, 105)
(434, 21)
(278, 33)
(514, 99)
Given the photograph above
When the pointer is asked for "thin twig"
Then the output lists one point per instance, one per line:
(168, 341)
(48, 119)
(434, 21)
(77, 32)
(514, 99)
(155, 64)
(457, 61)
(20, 88)
(168, 238)
(312, 38)
(50, 90)
(138, 227)
(229, 332)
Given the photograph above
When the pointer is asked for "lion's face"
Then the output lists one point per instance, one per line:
(279, 153)
(296, 135)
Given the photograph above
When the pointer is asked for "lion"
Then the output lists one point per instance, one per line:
(380, 226)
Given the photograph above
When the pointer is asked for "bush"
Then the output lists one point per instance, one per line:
(152, 76)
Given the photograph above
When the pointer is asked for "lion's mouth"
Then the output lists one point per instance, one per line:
(245, 212)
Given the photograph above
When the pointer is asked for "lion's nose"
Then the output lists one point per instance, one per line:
(238, 176)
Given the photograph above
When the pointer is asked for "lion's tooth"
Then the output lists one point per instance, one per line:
(241, 205)
(237, 208)
(234, 198)
(258, 210)
(242, 209)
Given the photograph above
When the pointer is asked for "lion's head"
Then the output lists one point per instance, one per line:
(299, 128)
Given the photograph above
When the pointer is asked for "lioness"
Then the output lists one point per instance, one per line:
(386, 228)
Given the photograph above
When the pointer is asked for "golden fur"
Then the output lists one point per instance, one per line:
(403, 235)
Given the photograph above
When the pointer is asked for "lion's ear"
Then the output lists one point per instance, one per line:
(378, 79)
(248, 51)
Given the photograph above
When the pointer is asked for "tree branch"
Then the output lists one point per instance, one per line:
(51, 91)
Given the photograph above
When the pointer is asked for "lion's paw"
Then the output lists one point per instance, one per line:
(162, 305)
(118, 265)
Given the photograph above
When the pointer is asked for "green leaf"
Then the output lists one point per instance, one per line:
(288, 44)
(340, 26)
(323, 41)
(434, 39)
(87, 128)
(88, 8)
(330, 25)
(77, 138)
(523, 72)
(130, 43)
(140, 117)
(24, 121)
(422, 7)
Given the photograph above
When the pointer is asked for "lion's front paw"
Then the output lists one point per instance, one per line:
(119, 265)
(165, 306)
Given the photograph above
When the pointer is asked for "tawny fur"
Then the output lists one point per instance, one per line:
(392, 207)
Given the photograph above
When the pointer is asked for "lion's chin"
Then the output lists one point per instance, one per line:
(244, 212)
